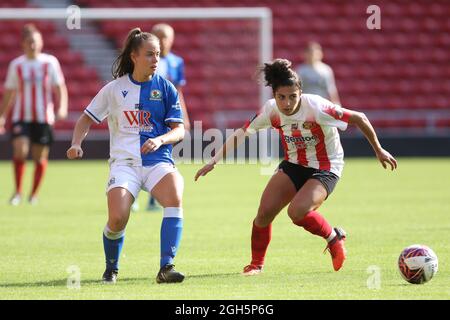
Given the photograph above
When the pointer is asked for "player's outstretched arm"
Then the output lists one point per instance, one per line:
(362, 122)
(79, 133)
(231, 143)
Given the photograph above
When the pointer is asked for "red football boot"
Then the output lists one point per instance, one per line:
(337, 249)
(252, 270)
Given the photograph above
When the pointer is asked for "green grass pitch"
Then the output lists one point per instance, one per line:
(382, 212)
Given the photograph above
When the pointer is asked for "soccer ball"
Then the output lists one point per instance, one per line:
(417, 264)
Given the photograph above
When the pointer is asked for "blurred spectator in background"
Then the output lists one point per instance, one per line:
(30, 80)
(171, 66)
(317, 77)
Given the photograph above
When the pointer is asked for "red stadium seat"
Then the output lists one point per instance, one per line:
(443, 123)
(401, 66)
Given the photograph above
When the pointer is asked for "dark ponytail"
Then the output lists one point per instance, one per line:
(279, 73)
(123, 63)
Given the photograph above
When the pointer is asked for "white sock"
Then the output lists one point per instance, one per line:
(111, 235)
(332, 235)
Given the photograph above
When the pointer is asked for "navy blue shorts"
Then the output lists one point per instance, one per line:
(300, 174)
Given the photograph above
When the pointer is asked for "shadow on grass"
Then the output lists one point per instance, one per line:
(212, 275)
(63, 282)
(51, 283)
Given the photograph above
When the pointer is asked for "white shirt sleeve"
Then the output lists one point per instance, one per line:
(12, 81)
(55, 72)
(330, 114)
(98, 109)
(260, 121)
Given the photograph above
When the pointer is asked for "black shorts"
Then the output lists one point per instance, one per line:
(39, 133)
(299, 175)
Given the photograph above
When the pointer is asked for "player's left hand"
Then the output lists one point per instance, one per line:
(386, 158)
(151, 145)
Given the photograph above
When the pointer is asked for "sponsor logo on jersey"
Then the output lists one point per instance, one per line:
(156, 95)
(138, 120)
(302, 142)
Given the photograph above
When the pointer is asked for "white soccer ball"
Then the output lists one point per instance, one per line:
(418, 264)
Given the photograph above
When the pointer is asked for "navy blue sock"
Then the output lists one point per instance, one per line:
(112, 251)
(171, 230)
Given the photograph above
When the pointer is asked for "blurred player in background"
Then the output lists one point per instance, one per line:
(171, 67)
(317, 77)
(144, 120)
(30, 80)
(312, 165)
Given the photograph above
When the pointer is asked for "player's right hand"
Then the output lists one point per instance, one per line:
(74, 152)
(386, 158)
(204, 171)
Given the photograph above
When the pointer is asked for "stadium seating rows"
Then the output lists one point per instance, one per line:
(403, 66)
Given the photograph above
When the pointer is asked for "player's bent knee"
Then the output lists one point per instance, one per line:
(167, 202)
(20, 155)
(265, 215)
(116, 224)
(117, 221)
(112, 233)
(297, 213)
(262, 222)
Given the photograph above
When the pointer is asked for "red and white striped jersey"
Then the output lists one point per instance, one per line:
(33, 79)
(309, 137)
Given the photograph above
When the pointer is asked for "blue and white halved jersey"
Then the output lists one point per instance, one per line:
(136, 111)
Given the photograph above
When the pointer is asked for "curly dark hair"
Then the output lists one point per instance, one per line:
(279, 73)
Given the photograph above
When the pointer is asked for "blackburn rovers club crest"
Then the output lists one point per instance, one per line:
(155, 95)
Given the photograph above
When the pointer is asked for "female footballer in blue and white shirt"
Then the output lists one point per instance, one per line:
(144, 120)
